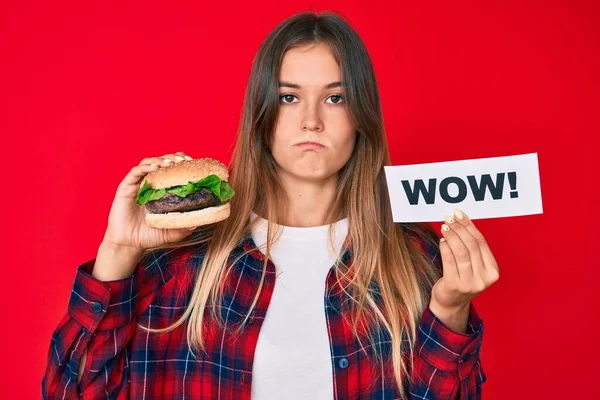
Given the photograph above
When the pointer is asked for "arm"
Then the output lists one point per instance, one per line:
(88, 352)
(100, 315)
(447, 363)
(446, 353)
(102, 319)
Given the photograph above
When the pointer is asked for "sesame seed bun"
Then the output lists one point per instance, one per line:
(187, 170)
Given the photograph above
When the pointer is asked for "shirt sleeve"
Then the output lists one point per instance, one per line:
(101, 318)
(446, 363)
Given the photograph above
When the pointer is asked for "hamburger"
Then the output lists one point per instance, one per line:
(186, 194)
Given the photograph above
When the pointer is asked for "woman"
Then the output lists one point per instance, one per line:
(357, 305)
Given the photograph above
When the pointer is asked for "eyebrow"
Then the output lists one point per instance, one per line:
(293, 85)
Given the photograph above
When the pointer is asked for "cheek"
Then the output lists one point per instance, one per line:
(345, 146)
(282, 141)
(344, 140)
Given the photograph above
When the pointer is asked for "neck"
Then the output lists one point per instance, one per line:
(308, 201)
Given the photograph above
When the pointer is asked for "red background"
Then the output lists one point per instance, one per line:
(89, 89)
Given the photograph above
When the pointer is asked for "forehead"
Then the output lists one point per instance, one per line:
(312, 65)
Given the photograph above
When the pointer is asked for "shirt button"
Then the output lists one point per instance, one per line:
(96, 307)
(343, 363)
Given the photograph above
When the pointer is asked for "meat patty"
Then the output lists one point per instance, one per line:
(172, 203)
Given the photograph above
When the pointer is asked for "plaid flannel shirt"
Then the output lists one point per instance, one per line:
(124, 362)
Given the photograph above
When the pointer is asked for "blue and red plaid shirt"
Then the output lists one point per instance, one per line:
(125, 362)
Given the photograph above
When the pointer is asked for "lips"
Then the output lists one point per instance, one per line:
(310, 146)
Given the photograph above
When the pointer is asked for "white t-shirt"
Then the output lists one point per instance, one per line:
(293, 357)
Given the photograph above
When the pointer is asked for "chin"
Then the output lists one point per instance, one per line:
(315, 176)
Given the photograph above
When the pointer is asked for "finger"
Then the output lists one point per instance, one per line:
(177, 234)
(470, 243)
(137, 173)
(449, 268)
(151, 161)
(166, 159)
(177, 157)
(182, 154)
(489, 261)
(460, 252)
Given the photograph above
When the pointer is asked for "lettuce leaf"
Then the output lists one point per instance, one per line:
(221, 189)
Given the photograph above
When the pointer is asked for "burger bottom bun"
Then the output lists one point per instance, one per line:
(188, 219)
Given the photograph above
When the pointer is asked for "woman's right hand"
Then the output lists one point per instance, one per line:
(127, 228)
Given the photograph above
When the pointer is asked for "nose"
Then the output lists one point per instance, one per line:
(311, 120)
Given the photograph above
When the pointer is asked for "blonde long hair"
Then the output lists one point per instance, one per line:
(382, 252)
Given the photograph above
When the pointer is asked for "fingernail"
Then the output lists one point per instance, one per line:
(442, 240)
(167, 160)
(445, 228)
(179, 158)
(458, 213)
(448, 219)
(154, 165)
(188, 158)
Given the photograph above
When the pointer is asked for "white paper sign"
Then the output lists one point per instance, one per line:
(482, 188)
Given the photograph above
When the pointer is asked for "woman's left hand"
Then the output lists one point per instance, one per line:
(469, 267)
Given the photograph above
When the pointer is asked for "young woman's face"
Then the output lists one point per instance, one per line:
(311, 111)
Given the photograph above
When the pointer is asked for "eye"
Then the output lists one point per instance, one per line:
(339, 97)
(287, 97)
